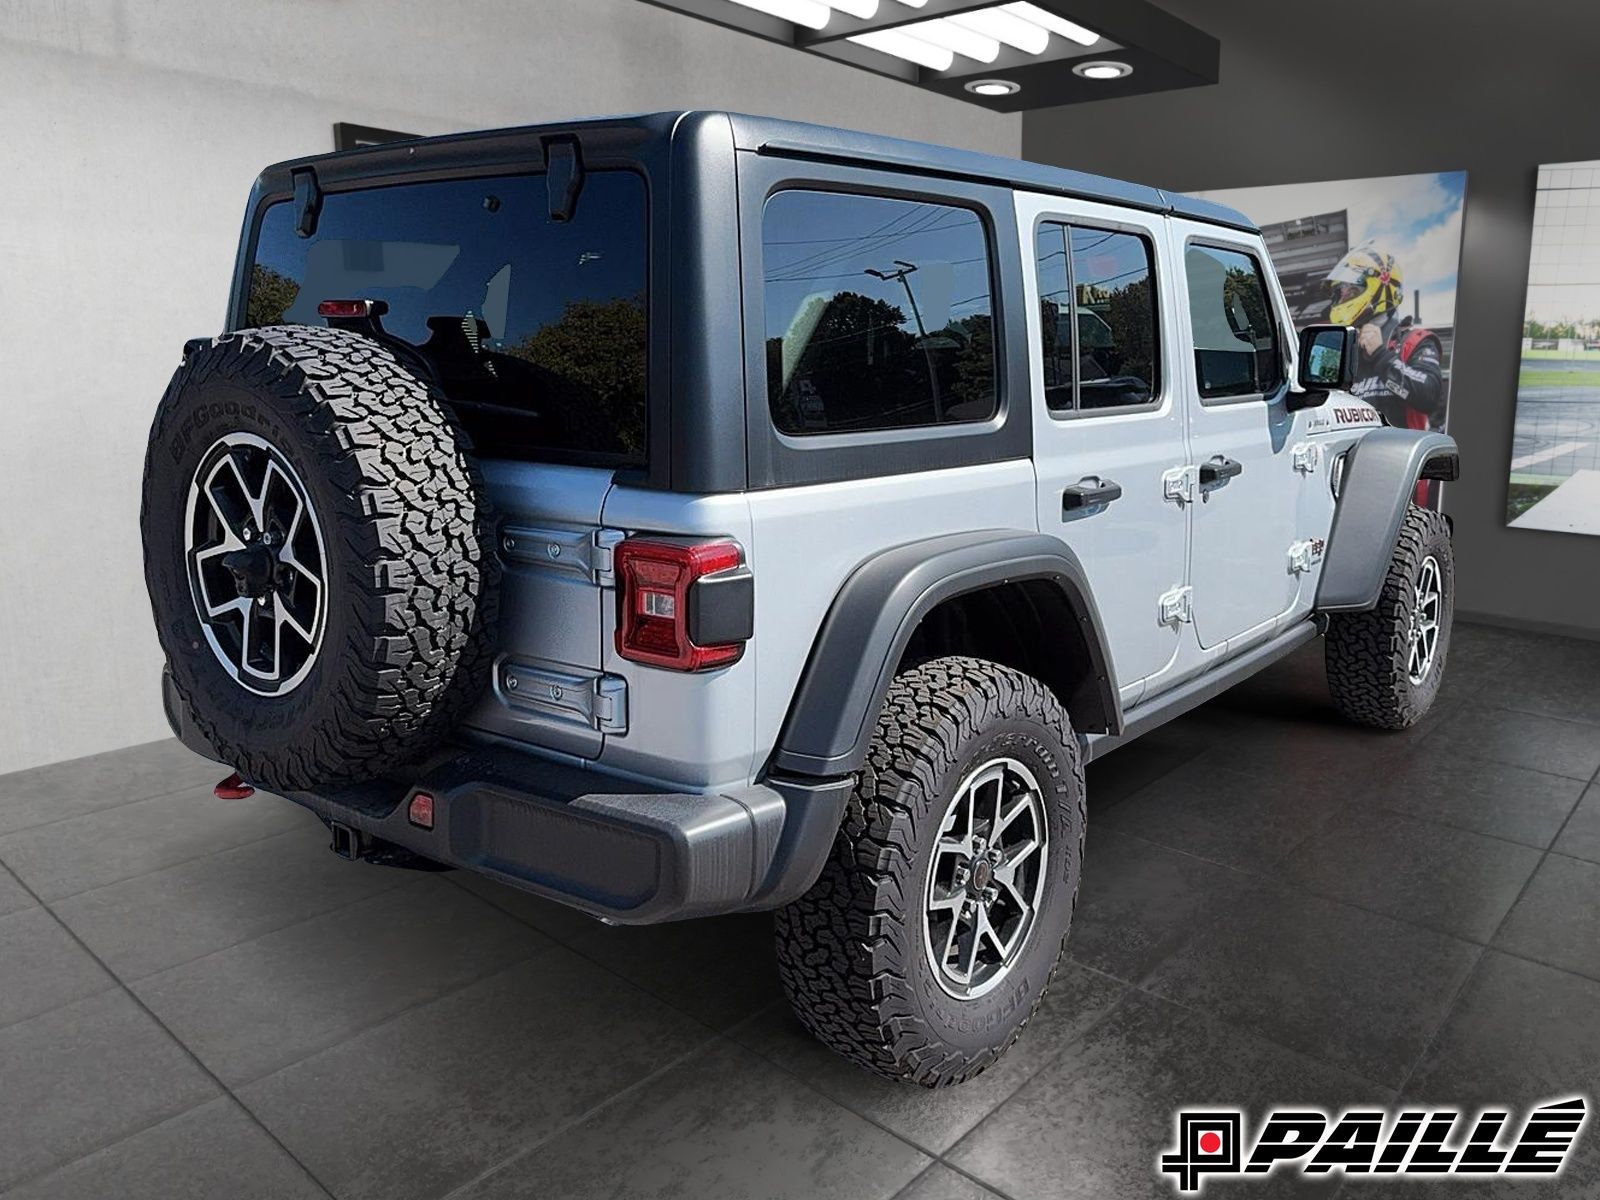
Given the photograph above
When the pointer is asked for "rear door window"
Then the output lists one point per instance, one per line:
(537, 330)
(879, 313)
(1102, 281)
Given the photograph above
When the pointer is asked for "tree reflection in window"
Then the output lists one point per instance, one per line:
(878, 313)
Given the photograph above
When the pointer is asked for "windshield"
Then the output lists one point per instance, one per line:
(535, 329)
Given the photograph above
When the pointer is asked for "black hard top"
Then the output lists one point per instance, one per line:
(797, 139)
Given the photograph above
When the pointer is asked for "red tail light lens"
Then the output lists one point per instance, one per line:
(654, 580)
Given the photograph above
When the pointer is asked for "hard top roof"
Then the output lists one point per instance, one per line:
(798, 139)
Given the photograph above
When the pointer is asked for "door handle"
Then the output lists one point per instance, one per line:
(1089, 492)
(1219, 470)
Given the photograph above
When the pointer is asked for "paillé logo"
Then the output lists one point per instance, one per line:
(1373, 1141)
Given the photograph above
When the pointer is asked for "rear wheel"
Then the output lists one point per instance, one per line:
(934, 929)
(1385, 666)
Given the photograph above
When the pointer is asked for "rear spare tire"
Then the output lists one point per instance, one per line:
(319, 555)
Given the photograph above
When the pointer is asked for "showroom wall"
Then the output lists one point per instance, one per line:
(1312, 92)
(132, 131)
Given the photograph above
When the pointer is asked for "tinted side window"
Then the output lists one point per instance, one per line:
(1235, 333)
(878, 313)
(1104, 281)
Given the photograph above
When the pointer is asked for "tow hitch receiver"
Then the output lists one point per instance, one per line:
(346, 841)
(233, 788)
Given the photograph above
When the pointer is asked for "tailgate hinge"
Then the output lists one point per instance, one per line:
(565, 696)
(565, 551)
(1177, 606)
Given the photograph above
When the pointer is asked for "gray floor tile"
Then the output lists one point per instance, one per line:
(721, 969)
(265, 1003)
(84, 1075)
(1557, 921)
(104, 847)
(82, 785)
(1569, 748)
(1354, 989)
(1556, 677)
(939, 1182)
(934, 1119)
(723, 1126)
(1521, 1034)
(13, 895)
(428, 1100)
(214, 1152)
(1092, 1124)
(1581, 837)
(1239, 820)
(144, 925)
(1447, 879)
(42, 967)
(1140, 900)
(1495, 798)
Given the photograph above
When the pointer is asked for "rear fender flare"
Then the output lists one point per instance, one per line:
(865, 634)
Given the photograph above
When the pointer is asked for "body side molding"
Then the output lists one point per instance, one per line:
(878, 609)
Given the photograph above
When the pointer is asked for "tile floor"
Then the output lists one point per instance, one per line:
(198, 1000)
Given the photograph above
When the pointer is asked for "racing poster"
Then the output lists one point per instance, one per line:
(1383, 255)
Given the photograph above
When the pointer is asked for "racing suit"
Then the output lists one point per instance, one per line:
(1404, 380)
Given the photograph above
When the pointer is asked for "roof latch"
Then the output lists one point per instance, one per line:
(563, 165)
(307, 201)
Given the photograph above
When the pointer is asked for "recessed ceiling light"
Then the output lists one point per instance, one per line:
(1102, 70)
(994, 87)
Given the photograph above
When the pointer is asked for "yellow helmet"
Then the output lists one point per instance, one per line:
(1365, 283)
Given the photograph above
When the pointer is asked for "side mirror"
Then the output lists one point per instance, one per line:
(1328, 356)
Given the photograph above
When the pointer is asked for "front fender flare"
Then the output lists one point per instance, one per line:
(1380, 475)
(865, 634)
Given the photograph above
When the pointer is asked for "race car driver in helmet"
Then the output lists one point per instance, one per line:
(1401, 371)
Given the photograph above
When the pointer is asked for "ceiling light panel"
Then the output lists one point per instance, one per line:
(902, 45)
(809, 13)
(1060, 26)
(1006, 55)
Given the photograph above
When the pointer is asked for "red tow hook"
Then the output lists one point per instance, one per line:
(233, 788)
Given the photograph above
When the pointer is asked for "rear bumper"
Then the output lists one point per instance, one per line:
(589, 840)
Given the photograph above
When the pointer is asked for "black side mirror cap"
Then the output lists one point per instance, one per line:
(1328, 357)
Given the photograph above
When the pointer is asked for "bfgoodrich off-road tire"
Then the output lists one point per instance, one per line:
(406, 558)
(1385, 666)
(853, 952)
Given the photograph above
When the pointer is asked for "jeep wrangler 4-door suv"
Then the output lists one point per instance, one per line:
(695, 513)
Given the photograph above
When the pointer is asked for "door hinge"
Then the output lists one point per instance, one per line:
(1179, 483)
(1307, 457)
(1305, 554)
(1177, 606)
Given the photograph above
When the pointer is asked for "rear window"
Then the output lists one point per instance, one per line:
(535, 329)
(878, 313)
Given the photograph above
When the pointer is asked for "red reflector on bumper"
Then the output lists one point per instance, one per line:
(420, 813)
(233, 788)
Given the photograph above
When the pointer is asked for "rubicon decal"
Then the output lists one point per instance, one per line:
(1373, 1141)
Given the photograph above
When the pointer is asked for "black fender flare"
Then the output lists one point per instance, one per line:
(878, 608)
(1380, 474)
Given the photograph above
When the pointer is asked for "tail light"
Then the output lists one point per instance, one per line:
(684, 605)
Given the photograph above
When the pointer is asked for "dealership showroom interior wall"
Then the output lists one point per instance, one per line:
(1334, 920)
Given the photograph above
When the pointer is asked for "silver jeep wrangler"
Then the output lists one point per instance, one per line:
(697, 513)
